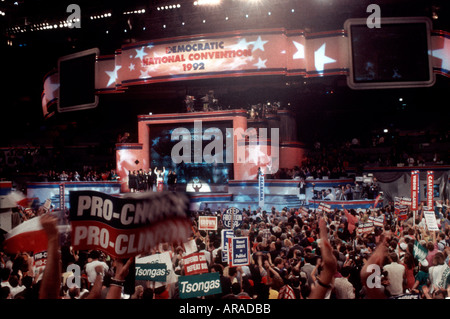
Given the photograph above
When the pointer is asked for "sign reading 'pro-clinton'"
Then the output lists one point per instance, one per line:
(127, 226)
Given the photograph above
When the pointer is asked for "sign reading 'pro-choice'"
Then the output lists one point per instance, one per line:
(130, 225)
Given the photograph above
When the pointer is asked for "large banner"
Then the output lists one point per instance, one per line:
(202, 57)
(230, 54)
(124, 227)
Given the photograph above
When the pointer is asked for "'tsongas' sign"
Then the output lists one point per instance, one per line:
(152, 272)
(199, 285)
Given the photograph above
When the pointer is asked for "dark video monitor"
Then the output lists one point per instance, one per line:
(77, 81)
(396, 55)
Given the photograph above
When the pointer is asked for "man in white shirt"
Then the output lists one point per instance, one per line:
(90, 266)
(330, 195)
(396, 272)
(344, 289)
(15, 286)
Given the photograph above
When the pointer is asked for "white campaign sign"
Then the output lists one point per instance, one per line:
(163, 258)
(430, 219)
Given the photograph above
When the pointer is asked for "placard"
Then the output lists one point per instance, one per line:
(207, 223)
(419, 251)
(152, 272)
(325, 208)
(195, 264)
(127, 226)
(430, 219)
(163, 258)
(239, 251)
(225, 235)
(377, 221)
(199, 285)
(232, 216)
(365, 228)
(190, 247)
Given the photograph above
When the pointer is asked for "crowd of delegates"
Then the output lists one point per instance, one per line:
(294, 255)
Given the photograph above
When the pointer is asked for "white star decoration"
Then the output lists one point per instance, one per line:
(300, 54)
(258, 44)
(131, 67)
(261, 63)
(444, 55)
(242, 45)
(113, 75)
(320, 59)
(140, 53)
(144, 74)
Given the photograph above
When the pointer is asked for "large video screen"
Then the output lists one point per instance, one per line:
(77, 81)
(394, 55)
(196, 174)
